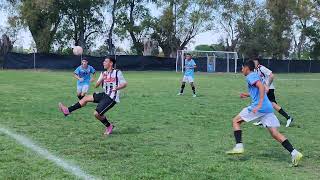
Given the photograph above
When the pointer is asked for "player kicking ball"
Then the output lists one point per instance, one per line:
(112, 81)
(267, 78)
(83, 76)
(260, 109)
(189, 66)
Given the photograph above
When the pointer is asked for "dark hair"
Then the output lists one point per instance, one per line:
(188, 54)
(250, 65)
(84, 58)
(256, 59)
(113, 60)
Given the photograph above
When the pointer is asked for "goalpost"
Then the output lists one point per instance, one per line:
(209, 61)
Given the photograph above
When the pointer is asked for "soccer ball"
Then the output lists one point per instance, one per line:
(77, 50)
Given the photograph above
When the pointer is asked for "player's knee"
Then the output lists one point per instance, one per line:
(96, 114)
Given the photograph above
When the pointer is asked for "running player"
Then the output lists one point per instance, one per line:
(267, 79)
(260, 109)
(112, 81)
(83, 76)
(189, 66)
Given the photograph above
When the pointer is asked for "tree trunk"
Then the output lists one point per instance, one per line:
(110, 43)
(138, 46)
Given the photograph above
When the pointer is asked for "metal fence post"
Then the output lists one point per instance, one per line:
(34, 59)
(310, 65)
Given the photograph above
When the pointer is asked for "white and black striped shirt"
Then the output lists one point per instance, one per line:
(111, 80)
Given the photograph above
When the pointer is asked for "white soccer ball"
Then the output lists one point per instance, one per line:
(77, 50)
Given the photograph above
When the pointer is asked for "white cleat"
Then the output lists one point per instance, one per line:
(179, 94)
(194, 95)
(289, 121)
(259, 123)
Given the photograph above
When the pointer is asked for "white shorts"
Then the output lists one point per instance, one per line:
(267, 119)
(188, 79)
(82, 88)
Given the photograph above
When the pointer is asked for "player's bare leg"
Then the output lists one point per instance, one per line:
(236, 123)
(183, 84)
(283, 113)
(193, 89)
(83, 102)
(295, 155)
(103, 119)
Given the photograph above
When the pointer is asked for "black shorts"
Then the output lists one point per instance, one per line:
(104, 102)
(271, 96)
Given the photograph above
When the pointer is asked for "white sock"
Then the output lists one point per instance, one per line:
(239, 145)
(294, 152)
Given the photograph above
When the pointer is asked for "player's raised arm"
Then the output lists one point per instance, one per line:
(99, 81)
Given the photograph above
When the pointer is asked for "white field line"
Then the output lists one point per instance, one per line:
(298, 79)
(71, 168)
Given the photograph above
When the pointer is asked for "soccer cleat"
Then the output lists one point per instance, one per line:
(289, 121)
(179, 94)
(259, 123)
(64, 109)
(296, 159)
(236, 151)
(108, 130)
(194, 95)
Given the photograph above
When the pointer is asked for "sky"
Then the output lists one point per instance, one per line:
(25, 39)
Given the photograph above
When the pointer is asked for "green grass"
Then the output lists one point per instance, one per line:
(158, 135)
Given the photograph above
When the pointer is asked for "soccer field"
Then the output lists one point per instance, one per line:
(158, 134)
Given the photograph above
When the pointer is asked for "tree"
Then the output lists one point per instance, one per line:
(5, 45)
(111, 47)
(41, 17)
(82, 20)
(180, 22)
(133, 19)
(281, 18)
(305, 12)
(204, 47)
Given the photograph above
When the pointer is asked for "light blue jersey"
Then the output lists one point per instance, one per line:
(85, 74)
(252, 79)
(189, 67)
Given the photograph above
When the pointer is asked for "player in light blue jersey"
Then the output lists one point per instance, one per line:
(83, 75)
(259, 109)
(189, 66)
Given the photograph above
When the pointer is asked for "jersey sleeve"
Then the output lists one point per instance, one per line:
(77, 71)
(252, 79)
(265, 70)
(121, 78)
(92, 70)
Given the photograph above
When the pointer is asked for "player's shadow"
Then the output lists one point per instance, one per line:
(128, 130)
(239, 158)
(273, 155)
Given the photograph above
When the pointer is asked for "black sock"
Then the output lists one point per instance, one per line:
(105, 122)
(74, 107)
(284, 114)
(193, 89)
(286, 144)
(238, 136)
(182, 88)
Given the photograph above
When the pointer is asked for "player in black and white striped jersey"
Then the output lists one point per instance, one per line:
(112, 81)
(267, 78)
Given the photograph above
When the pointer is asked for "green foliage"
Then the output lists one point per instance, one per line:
(213, 47)
(42, 17)
(133, 20)
(83, 20)
(180, 22)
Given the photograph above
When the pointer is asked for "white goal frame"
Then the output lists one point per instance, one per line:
(210, 55)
